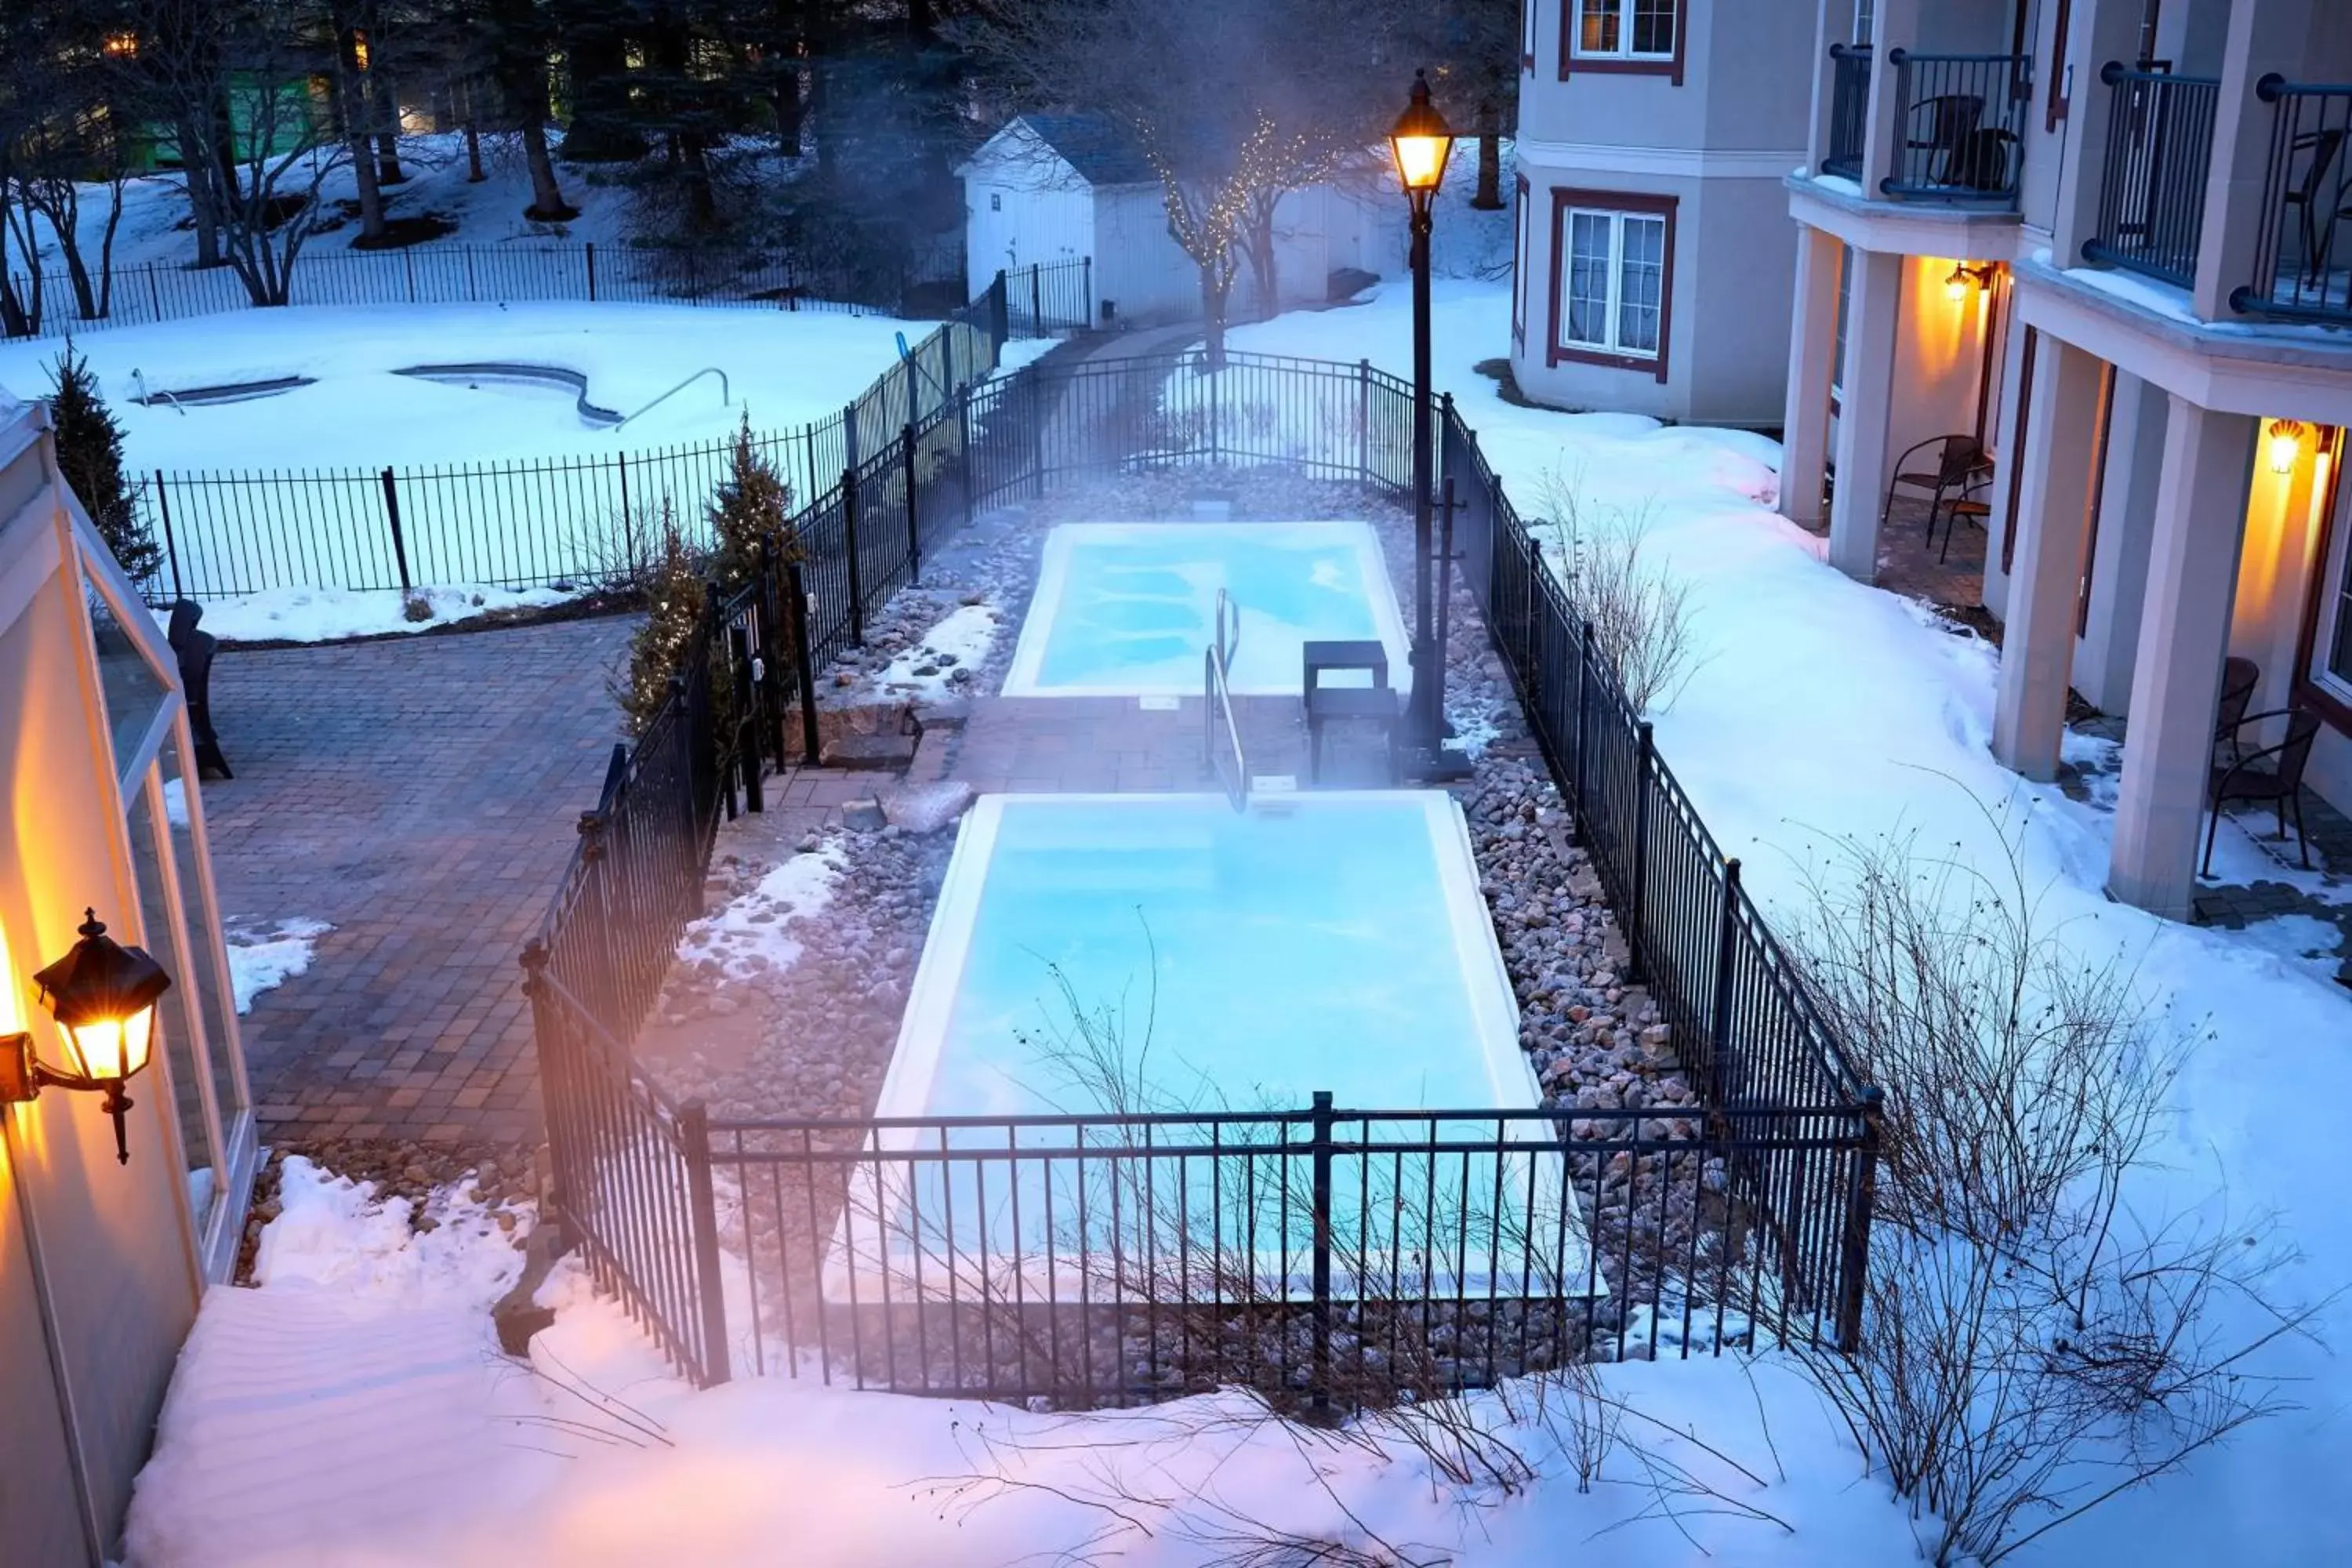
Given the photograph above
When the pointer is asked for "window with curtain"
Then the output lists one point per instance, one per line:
(1613, 281)
(1626, 30)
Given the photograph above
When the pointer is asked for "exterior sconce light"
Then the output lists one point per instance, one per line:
(1964, 277)
(102, 995)
(1420, 143)
(2286, 445)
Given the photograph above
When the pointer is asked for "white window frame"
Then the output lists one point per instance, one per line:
(1624, 49)
(1527, 33)
(1618, 220)
(2334, 585)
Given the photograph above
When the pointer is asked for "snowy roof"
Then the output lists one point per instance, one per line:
(1099, 150)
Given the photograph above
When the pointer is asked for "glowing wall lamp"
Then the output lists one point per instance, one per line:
(2285, 443)
(102, 995)
(1965, 278)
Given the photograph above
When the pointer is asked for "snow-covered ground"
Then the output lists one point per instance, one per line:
(261, 960)
(784, 368)
(1821, 708)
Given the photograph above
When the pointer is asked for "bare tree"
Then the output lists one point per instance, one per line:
(1638, 612)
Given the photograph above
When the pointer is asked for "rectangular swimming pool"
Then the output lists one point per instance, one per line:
(1100, 955)
(1125, 608)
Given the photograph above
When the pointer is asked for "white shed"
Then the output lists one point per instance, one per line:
(1059, 188)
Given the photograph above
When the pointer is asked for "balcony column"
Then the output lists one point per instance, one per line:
(2184, 634)
(2103, 664)
(2053, 524)
(2265, 36)
(1894, 26)
(2099, 34)
(1873, 310)
(1812, 354)
(1825, 33)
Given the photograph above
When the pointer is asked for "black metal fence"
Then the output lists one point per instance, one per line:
(2159, 151)
(1959, 126)
(1325, 1253)
(1849, 110)
(47, 304)
(556, 521)
(1051, 297)
(2307, 203)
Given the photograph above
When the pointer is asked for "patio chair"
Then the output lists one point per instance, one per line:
(1958, 461)
(1377, 701)
(2323, 146)
(2239, 678)
(1944, 127)
(1968, 507)
(2281, 783)
(194, 649)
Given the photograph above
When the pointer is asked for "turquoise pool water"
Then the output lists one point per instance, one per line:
(1127, 608)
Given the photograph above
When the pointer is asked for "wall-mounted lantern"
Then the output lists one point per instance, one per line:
(2285, 443)
(102, 995)
(1965, 278)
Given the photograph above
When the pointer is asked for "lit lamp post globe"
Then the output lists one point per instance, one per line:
(1420, 143)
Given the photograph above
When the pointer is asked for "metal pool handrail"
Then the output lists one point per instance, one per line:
(725, 397)
(150, 398)
(1217, 699)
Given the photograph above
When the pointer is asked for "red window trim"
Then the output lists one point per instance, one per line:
(1557, 352)
(2025, 355)
(2058, 101)
(1570, 60)
(1521, 248)
(2330, 707)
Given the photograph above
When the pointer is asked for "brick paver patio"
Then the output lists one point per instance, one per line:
(419, 795)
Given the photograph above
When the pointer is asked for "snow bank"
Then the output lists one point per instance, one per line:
(323, 615)
(259, 962)
(746, 937)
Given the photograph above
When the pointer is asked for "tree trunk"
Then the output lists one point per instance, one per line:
(200, 194)
(1489, 197)
(1216, 291)
(474, 175)
(547, 204)
(787, 99)
(387, 142)
(371, 192)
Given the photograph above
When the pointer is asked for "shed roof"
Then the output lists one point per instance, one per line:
(1096, 150)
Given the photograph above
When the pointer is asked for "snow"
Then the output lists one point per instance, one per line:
(352, 1410)
(265, 961)
(784, 368)
(2305, 939)
(962, 639)
(746, 937)
(1821, 708)
(321, 614)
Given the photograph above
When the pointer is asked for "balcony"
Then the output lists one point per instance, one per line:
(1958, 130)
(2159, 149)
(2301, 271)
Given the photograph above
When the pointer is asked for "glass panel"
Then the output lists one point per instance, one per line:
(1653, 26)
(1588, 278)
(203, 980)
(1643, 284)
(175, 1019)
(134, 692)
(1597, 34)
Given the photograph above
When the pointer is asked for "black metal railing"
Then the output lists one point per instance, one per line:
(895, 1251)
(2299, 271)
(1849, 109)
(1051, 297)
(555, 521)
(1959, 127)
(45, 304)
(2160, 152)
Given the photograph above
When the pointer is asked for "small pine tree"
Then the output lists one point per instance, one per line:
(90, 459)
(676, 596)
(753, 504)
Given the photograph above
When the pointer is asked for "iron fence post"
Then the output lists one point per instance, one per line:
(1088, 320)
(963, 453)
(849, 435)
(593, 915)
(555, 1087)
(1444, 620)
(1037, 303)
(811, 751)
(1718, 1030)
(1000, 316)
(746, 718)
(591, 249)
(1363, 422)
(154, 295)
(1583, 703)
(849, 554)
(914, 530)
(1854, 1251)
(399, 544)
(772, 611)
(694, 1142)
(170, 547)
(1637, 900)
(1036, 437)
(1320, 1155)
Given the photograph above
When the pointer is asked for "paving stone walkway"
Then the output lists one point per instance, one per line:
(419, 795)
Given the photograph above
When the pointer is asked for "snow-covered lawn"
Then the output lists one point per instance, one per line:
(1821, 708)
(785, 368)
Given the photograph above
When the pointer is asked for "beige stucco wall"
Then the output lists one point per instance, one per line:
(118, 1272)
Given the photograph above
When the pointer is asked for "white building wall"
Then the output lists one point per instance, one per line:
(1022, 206)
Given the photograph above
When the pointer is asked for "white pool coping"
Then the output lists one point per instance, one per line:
(1023, 677)
(864, 1270)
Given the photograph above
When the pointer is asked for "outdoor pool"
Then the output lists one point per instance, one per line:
(1098, 954)
(1125, 608)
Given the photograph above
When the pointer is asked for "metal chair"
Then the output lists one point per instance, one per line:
(1950, 126)
(2239, 678)
(2281, 783)
(1959, 462)
(2323, 147)
(194, 650)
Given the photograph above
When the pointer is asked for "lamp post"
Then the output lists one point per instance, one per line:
(102, 995)
(1422, 142)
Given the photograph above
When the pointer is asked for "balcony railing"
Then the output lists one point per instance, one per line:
(1849, 109)
(1959, 124)
(2159, 147)
(2301, 270)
